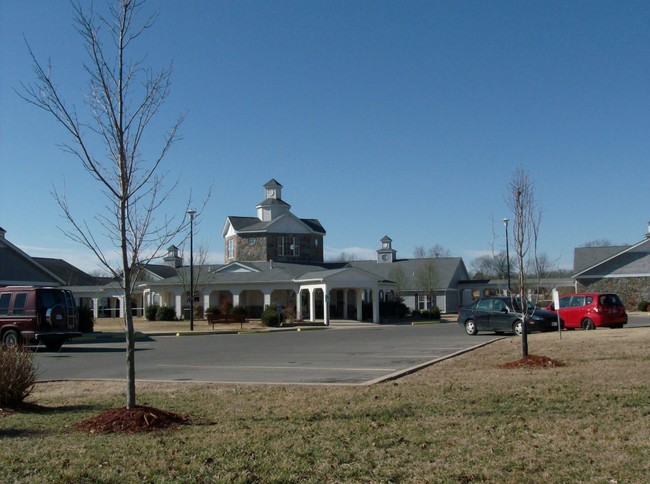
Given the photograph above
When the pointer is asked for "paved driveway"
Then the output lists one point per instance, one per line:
(350, 354)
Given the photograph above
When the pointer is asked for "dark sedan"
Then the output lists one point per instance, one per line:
(504, 315)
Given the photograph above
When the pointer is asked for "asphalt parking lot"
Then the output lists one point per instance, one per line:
(356, 354)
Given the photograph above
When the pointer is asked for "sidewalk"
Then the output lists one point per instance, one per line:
(112, 329)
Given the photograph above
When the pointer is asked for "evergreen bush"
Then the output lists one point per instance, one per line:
(270, 317)
(166, 313)
(151, 312)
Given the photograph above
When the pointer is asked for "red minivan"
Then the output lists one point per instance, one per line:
(37, 314)
(591, 310)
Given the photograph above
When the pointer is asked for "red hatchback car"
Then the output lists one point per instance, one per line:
(591, 310)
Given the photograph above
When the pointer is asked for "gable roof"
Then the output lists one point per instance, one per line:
(614, 261)
(449, 270)
(71, 275)
(244, 225)
(586, 257)
(18, 268)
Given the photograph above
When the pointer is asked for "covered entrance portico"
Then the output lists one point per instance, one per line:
(348, 282)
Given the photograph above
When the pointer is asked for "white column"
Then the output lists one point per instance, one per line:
(267, 298)
(178, 306)
(120, 313)
(235, 298)
(359, 304)
(95, 307)
(299, 305)
(312, 305)
(206, 302)
(375, 305)
(326, 306)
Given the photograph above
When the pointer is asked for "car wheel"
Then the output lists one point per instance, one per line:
(470, 327)
(588, 324)
(11, 339)
(518, 328)
(54, 344)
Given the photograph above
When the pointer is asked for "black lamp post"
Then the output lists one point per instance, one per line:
(505, 222)
(191, 212)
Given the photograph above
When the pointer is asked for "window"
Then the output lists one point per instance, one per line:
(4, 303)
(19, 303)
(288, 246)
(231, 249)
(484, 305)
(422, 302)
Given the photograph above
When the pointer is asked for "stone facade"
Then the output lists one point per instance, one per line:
(266, 247)
(632, 290)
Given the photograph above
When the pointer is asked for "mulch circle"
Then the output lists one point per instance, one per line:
(131, 420)
(533, 361)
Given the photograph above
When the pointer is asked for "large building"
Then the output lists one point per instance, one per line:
(277, 258)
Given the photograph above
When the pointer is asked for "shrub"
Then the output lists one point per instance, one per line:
(432, 314)
(213, 310)
(166, 313)
(151, 312)
(198, 312)
(86, 320)
(17, 375)
(643, 306)
(238, 310)
(270, 317)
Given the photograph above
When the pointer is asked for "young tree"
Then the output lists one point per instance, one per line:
(201, 267)
(122, 100)
(426, 279)
(520, 199)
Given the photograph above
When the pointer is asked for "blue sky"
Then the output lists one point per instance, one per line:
(405, 119)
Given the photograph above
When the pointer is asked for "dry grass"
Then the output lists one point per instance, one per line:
(462, 420)
(116, 325)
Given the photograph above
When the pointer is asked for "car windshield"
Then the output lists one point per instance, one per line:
(516, 303)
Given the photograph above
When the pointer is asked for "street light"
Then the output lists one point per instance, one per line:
(191, 212)
(505, 222)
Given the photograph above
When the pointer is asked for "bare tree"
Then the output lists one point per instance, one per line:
(490, 266)
(436, 251)
(344, 257)
(426, 279)
(520, 199)
(398, 276)
(201, 266)
(598, 243)
(122, 100)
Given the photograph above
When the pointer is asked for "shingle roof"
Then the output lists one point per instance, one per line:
(70, 275)
(254, 224)
(448, 270)
(586, 257)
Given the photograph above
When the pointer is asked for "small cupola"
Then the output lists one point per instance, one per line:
(272, 206)
(386, 254)
(172, 258)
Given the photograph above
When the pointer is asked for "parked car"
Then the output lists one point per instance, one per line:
(37, 314)
(504, 315)
(591, 310)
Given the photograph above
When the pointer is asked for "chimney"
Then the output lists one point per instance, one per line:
(647, 234)
(2, 233)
